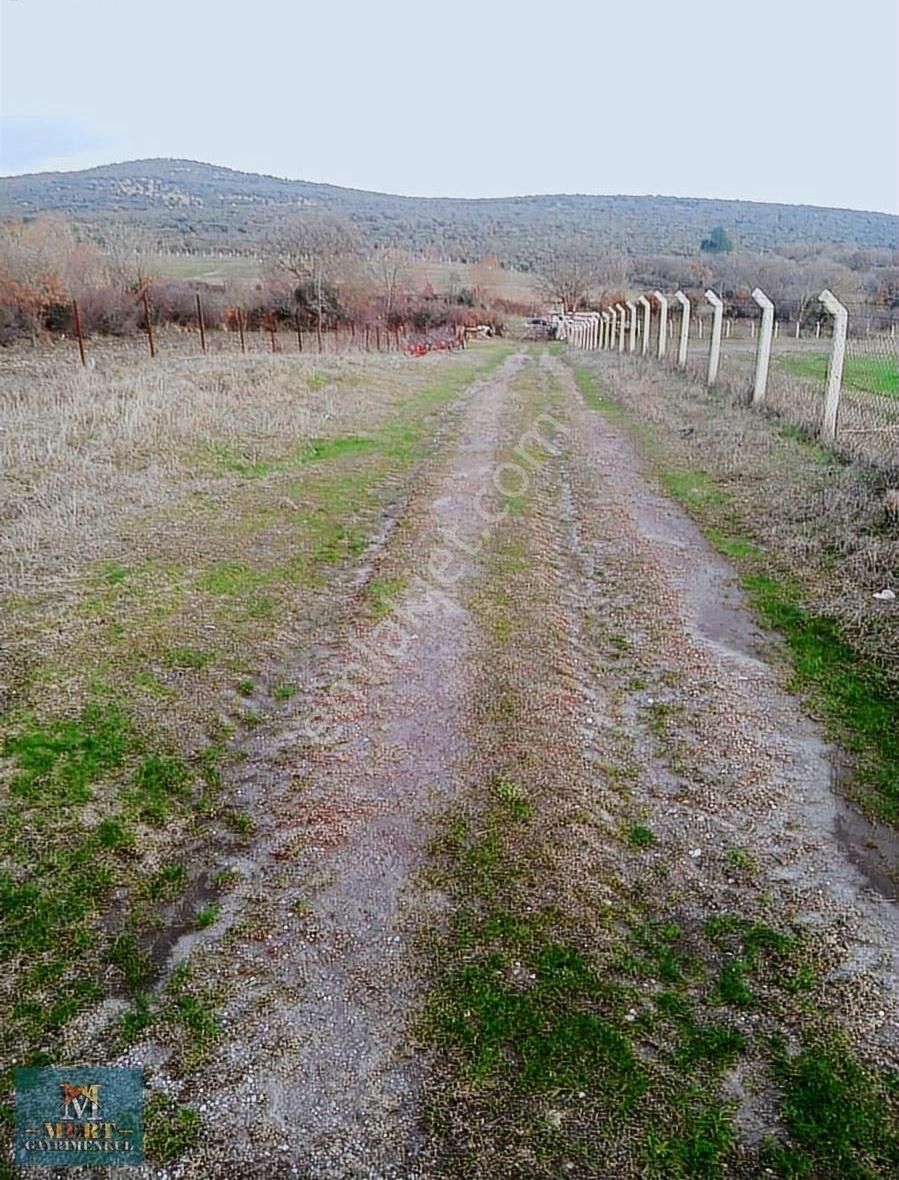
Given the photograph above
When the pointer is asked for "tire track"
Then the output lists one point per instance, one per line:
(320, 975)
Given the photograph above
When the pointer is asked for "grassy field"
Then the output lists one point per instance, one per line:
(195, 548)
(442, 276)
(174, 266)
(867, 374)
(175, 537)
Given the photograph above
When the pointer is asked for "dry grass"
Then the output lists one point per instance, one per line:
(178, 535)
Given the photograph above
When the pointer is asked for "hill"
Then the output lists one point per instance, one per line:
(195, 205)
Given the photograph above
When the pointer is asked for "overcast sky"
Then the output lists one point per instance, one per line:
(788, 100)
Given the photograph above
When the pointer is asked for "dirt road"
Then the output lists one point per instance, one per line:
(550, 878)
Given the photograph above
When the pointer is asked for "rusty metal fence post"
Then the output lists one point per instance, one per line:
(201, 322)
(77, 317)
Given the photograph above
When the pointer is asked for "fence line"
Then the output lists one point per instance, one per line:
(839, 384)
(332, 340)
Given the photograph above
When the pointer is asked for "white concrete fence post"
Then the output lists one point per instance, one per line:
(632, 312)
(835, 367)
(663, 324)
(603, 325)
(715, 341)
(763, 351)
(647, 312)
(612, 328)
(684, 329)
(621, 325)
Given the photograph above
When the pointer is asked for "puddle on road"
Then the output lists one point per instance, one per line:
(872, 848)
(179, 920)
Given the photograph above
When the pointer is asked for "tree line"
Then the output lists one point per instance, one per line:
(320, 271)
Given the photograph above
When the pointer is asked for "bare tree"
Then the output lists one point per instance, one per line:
(317, 249)
(130, 255)
(390, 269)
(569, 276)
(453, 285)
(43, 263)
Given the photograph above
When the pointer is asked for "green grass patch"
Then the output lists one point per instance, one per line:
(169, 1129)
(657, 951)
(736, 548)
(381, 594)
(866, 373)
(113, 573)
(587, 384)
(135, 1020)
(230, 578)
(853, 696)
(168, 883)
(807, 442)
(319, 450)
(131, 960)
(207, 916)
(113, 833)
(694, 489)
(59, 761)
(193, 1012)
(511, 798)
(48, 908)
(639, 836)
(699, 1147)
(713, 1044)
(732, 987)
(840, 1119)
(545, 1034)
(158, 783)
(188, 658)
(743, 860)
(240, 822)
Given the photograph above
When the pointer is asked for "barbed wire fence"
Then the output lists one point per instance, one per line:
(832, 373)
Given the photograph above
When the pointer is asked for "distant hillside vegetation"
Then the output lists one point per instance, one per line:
(194, 205)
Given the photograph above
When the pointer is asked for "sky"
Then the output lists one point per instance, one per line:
(775, 100)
